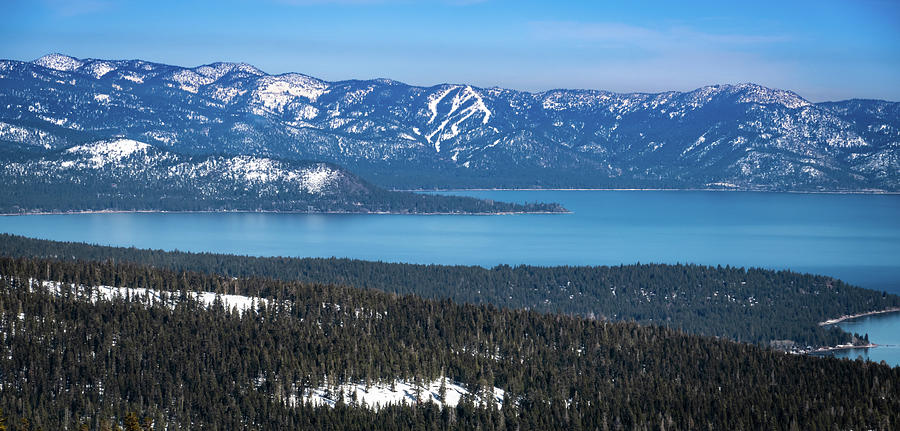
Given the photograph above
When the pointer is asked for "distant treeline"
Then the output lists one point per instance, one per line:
(83, 193)
(67, 362)
(755, 305)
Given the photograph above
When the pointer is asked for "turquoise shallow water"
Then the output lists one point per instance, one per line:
(853, 237)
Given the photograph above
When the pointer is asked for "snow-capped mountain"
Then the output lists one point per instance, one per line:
(734, 136)
(125, 174)
(130, 174)
(128, 160)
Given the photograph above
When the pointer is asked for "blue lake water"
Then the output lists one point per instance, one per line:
(853, 237)
(883, 329)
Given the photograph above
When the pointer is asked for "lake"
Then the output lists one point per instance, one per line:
(852, 237)
(883, 329)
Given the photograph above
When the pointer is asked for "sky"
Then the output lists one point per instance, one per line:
(823, 50)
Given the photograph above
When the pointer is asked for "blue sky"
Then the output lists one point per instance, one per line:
(824, 50)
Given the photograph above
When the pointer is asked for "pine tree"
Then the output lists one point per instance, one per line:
(442, 391)
(131, 422)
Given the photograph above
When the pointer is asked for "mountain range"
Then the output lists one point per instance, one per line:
(742, 136)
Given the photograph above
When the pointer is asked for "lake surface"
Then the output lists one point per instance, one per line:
(852, 237)
(883, 329)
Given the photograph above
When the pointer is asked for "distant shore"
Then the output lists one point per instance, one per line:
(854, 316)
(274, 212)
(536, 189)
(842, 347)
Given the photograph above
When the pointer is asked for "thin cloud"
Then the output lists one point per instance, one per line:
(644, 37)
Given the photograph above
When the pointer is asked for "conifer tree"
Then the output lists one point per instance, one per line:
(131, 422)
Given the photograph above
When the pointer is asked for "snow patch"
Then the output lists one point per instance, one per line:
(380, 395)
(357, 96)
(465, 103)
(226, 94)
(137, 79)
(22, 135)
(812, 172)
(314, 179)
(752, 93)
(190, 81)
(696, 143)
(60, 62)
(100, 68)
(241, 127)
(108, 293)
(215, 71)
(307, 112)
(436, 98)
(104, 152)
(274, 92)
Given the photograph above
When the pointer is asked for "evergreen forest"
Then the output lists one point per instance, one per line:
(749, 305)
(72, 360)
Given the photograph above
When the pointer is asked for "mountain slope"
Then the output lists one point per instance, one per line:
(733, 136)
(756, 305)
(123, 174)
(71, 355)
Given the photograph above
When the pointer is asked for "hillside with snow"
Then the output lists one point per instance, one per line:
(442, 391)
(127, 175)
(742, 136)
(90, 338)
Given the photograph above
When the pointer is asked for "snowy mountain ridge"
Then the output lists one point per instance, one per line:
(454, 135)
(123, 174)
(130, 160)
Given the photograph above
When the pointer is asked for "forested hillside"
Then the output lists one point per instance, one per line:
(755, 305)
(70, 359)
(127, 175)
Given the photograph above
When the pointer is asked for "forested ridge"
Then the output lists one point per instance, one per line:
(67, 361)
(750, 305)
(87, 193)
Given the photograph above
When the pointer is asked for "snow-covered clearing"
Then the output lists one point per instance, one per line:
(107, 293)
(400, 392)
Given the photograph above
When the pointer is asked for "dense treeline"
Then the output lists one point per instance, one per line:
(67, 361)
(753, 305)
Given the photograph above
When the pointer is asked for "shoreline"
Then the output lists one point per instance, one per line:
(275, 212)
(588, 189)
(841, 347)
(854, 316)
